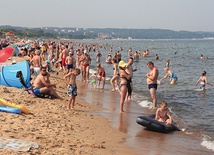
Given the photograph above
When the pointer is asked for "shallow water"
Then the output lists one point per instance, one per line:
(191, 109)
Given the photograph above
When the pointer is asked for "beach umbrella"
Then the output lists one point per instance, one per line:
(16, 50)
(6, 53)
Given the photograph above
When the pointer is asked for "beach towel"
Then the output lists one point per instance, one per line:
(17, 145)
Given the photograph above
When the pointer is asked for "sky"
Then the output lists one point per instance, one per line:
(189, 15)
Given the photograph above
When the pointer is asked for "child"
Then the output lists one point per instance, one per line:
(163, 114)
(93, 80)
(167, 63)
(102, 75)
(72, 87)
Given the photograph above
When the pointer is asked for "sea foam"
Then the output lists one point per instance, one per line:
(207, 142)
(146, 104)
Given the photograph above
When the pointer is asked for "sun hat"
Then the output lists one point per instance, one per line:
(122, 64)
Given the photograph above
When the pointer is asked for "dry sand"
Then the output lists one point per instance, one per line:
(57, 130)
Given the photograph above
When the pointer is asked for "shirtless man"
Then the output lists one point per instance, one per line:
(98, 55)
(136, 57)
(152, 77)
(69, 62)
(85, 60)
(64, 55)
(36, 62)
(42, 84)
(102, 75)
(119, 56)
(130, 70)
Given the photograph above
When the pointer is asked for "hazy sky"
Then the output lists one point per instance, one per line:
(191, 15)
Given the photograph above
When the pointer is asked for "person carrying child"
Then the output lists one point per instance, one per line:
(70, 79)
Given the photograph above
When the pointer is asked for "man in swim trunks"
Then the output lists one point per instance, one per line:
(64, 55)
(152, 77)
(102, 75)
(69, 62)
(130, 70)
(42, 84)
(36, 62)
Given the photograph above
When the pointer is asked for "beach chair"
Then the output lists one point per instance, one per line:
(30, 89)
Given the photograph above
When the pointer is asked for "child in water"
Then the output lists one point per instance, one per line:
(163, 114)
(93, 78)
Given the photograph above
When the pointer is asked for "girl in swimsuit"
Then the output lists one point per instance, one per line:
(203, 81)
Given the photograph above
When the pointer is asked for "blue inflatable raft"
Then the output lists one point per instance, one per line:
(10, 109)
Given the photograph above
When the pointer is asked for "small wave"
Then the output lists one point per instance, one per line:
(207, 142)
(146, 104)
(91, 71)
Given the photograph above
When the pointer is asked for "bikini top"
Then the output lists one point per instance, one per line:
(202, 80)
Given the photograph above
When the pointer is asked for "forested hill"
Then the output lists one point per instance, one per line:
(102, 33)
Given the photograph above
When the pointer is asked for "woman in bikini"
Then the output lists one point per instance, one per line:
(124, 83)
(203, 81)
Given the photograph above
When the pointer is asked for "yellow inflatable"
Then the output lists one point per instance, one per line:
(13, 105)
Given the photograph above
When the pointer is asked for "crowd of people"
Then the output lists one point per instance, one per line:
(72, 59)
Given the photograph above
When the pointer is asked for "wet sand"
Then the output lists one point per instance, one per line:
(141, 140)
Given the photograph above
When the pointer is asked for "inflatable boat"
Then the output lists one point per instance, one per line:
(13, 105)
(9, 109)
(151, 124)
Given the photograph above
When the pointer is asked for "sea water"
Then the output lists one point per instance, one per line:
(193, 110)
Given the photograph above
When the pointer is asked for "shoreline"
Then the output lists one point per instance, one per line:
(58, 130)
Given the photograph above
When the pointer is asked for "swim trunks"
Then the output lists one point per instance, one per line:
(69, 66)
(85, 65)
(102, 74)
(93, 81)
(72, 90)
(37, 91)
(153, 86)
(36, 71)
(63, 61)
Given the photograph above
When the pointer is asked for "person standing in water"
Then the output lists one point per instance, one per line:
(173, 76)
(203, 81)
(151, 80)
(125, 86)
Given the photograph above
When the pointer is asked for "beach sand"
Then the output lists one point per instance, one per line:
(57, 130)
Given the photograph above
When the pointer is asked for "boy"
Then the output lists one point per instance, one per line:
(163, 114)
(72, 87)
(102, 75)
